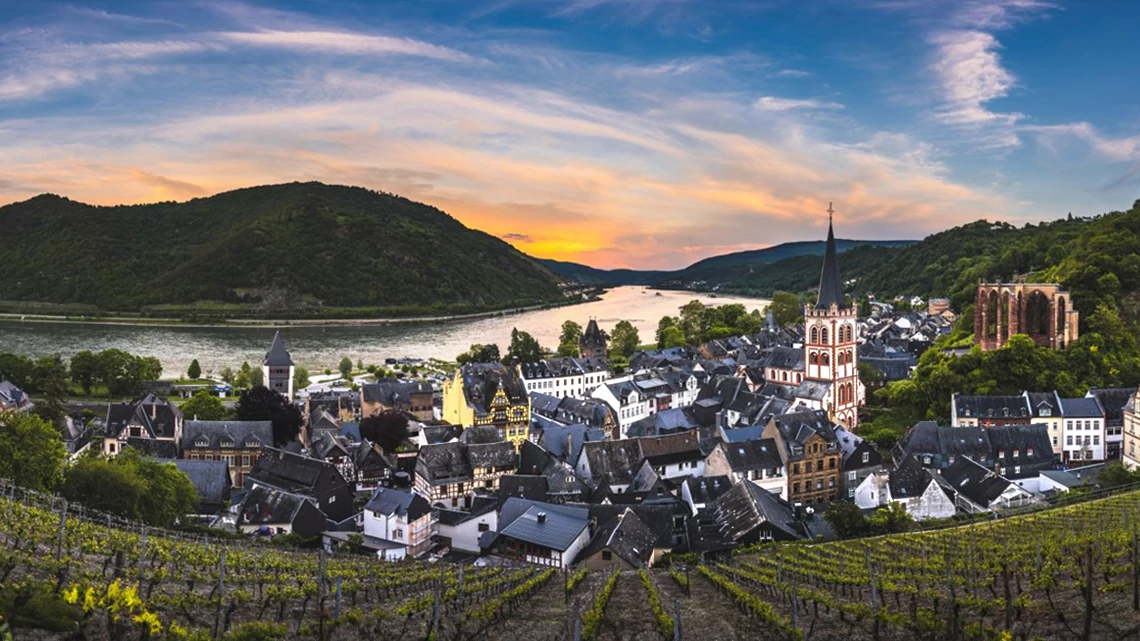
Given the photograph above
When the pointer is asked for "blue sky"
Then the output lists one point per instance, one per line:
(637, 133)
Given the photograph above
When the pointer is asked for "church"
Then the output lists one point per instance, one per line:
(827, 377)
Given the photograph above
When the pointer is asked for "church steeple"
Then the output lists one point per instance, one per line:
(830, 285)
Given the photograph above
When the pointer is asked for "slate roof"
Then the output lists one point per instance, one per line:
(562, 367)
(974, 481)
(481, 434)
(1113, 400)
(434, 434)
(444, 463)
(482, 380)
(747, 505)
(659, 518)
(759, 454)
(830, 284)
(501, 454)
(288, 471)
(612, 462)
(243, 434)
(797, 428)
(626, 536)
(561, 479)
(969, 406)
(13, 397)
(554, 439)
(264, 505)
(892, 369)
(1086, 407)
(277, 356)
(813, 390)
(155, 414)
(708, 488)
(526, 486)
(211, 479)
(789, 358)
(909, 479)
(561, 526)
(393, 392)
(391, 502)
(673, 448)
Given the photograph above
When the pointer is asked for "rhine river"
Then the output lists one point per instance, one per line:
(319, 347)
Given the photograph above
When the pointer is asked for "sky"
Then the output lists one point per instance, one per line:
(617, 133)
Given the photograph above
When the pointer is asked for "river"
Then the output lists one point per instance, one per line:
(319, 347)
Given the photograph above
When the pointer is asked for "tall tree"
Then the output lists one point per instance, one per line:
(672, 337)
(31, 452)
(479, 354)
(257, 377)
(345, 367)
(624, 339)
(523, 347)
(85, 370)
(132, 486)
(300, 378)
(16, 368)
(786, 307)
(204, 406)
(263, 404)
(570, 338)
(195, 370)
(665, 323)
(388, 429)
(243, 378)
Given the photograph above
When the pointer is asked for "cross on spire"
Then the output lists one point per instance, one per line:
(830, 212)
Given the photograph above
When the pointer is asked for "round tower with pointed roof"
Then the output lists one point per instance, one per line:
(831, 353)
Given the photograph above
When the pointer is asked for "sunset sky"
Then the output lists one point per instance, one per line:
(619, 133)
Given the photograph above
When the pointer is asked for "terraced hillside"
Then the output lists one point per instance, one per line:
(1066, 573)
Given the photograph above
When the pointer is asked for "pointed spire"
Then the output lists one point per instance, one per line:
(277, 356)
(830, 285)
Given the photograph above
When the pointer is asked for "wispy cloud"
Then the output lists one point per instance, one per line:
(772, 103)
(344, 43)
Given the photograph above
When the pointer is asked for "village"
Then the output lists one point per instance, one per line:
(571, 460)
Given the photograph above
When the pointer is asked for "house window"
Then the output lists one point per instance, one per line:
(831, 464)
(1029, 451)
(866, 457)
(796, 468)
(807, 467)
(795, 488)
(245, 460)
(398, 533)
(926, 460)
(1096, 440)
(1069, 440)
(1017, 469)
(851, 476)
(850, 492)
(607, 555)
(483, 527)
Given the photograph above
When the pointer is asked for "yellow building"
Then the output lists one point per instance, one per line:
(488, 394)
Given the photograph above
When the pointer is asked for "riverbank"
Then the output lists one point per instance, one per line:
(140, 321)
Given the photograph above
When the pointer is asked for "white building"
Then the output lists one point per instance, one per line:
(463, 529)
(277, 368)
(399, 517)
(627, 401)
(1083, 433)
(565, 377)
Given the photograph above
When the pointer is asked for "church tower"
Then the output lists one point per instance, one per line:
(277, 368)
(831, 354)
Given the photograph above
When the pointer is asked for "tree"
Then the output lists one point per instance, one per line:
(786, 307)
(662, 325)
(523, 347)
(1115, 474)
(846, 519)
(263, 404)
(124, 374)
(132, 486)
(195, 370)
(300, 378)
(243, 379)
(624, 339)
(479, 354)
(85, 370)
(570, 338)
(204, 406)
(388, 429)
(227, 375)
(892, 519)
(257, 377)
(31, 451)
(671, 337)
(16, 368)
(345, 367)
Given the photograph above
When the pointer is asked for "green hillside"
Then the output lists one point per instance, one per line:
(304, 249)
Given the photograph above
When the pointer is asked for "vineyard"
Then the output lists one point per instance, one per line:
(1067, 573)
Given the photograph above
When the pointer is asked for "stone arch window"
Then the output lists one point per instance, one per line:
(823, 335)
(814, 334)
(813, 358)
(1037, 314)
(991, 314)
(824, 359)
(1061, 321)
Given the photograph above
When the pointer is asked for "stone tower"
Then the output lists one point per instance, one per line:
(831, 353)
(593, 341)
(277, 368)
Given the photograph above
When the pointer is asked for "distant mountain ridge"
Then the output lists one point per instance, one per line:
(290, 250)
(708, 267)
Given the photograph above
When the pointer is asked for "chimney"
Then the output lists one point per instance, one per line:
(542, 517)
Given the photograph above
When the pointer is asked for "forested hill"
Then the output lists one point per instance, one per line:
(300, 249)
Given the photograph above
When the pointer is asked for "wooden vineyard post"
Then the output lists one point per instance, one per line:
(577, 621)
(221, 595)
(676, 619)
(336, 614)
(62, 527)
(1135, 570)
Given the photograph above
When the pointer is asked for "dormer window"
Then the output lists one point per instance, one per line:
(1045, 411)
(227, 442)
(1001, 454)
(201, 441)
(1029, 451)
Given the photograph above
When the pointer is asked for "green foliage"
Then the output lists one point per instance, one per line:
(204, 406)
(523, 347)
(300, 378)
(786, 307)
(257, 377)
(1115, 474)
(698, 323)
(664, 619)
(194, 372)
(388, 429)
(132, 486)
(592, 619)
(569, 339)
(672, 337)
(31, 605)
(848, 520)
(624, 339)
(263, 404)
(479, 354)
(244, 377)
(31, 451)
(575, 579)
(266, 250)
(258, 631)
(85, 369)
(123, 374)
(345, 367)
